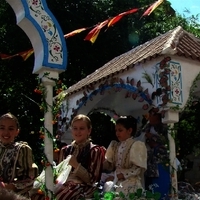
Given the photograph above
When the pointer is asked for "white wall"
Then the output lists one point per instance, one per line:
(113, 100)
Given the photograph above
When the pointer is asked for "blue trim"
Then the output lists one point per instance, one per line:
(62, 66)
(180, 77)
(169, 81)
(64, 46)
(116, 85)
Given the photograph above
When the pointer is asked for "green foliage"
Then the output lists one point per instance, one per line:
(188, 128)
(139, 194)
(148, 78)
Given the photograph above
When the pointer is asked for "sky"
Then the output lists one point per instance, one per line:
(180, 5)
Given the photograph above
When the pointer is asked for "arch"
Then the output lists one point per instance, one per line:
(44, 32)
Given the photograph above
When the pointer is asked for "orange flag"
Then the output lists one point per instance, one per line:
(6, 56)
(75, 32)
(152, 7)
(93, 34)
(24, 54)
(118, 17)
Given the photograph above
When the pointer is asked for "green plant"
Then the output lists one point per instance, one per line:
(139, 194)
(148, 78)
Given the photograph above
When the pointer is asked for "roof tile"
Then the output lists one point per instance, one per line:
(184, 43)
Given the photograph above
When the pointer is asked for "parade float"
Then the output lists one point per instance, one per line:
(162, 73)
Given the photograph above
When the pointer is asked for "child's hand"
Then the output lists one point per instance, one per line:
(110, 178)
(120, 176)
(73, 162)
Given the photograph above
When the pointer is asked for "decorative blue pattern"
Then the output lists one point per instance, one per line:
(128, 87)
(175, 79)
(54, 45)
(169, 79)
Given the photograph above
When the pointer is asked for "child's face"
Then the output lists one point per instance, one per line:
(8, 130)
(80, 131)
(122, 133)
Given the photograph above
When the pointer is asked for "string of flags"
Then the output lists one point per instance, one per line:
(93, 34)
(24, 54)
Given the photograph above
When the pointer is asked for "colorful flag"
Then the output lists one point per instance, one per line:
(152, 7)
(6, 56)
(93, 34)
(24, 54)
(75, 32)
(118, 17)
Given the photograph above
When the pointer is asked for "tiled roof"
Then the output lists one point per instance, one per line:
(177, 41)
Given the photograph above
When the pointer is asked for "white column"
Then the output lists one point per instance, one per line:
(170, 118)
(173, 166)
(48, 118)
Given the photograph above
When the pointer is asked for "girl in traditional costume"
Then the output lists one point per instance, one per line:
(17, 169)
(85, 159)
(126, 159)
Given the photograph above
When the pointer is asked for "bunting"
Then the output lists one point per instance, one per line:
(75, 32)
(24, 54)
(152, 8)
(118, 17)
(93, 34)
(6, 56)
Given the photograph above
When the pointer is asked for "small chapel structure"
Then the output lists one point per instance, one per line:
(160, 73)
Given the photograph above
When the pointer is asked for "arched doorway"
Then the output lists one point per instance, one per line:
(103, 129)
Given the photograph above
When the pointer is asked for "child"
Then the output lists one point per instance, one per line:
(17, 169)
(86, 160)
(126, 160)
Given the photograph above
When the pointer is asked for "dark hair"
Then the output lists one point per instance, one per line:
(128, 122)
(12, 117)
(10, 195)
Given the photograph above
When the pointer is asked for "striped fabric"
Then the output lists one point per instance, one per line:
(17, 166)
(81, 181)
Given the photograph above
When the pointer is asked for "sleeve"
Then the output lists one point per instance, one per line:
(109, 157)
(93, 173)
(138, 160)
(138, 154)
(61, 155)
(26, 170)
